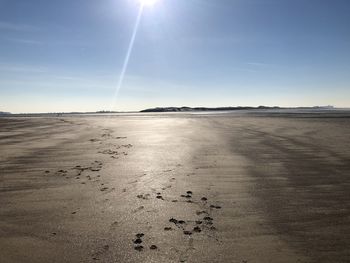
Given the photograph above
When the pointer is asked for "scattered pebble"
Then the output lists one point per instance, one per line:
(153, 247)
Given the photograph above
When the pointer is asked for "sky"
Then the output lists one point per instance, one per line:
(63, 56)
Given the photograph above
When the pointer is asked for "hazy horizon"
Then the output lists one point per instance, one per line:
(68, 56)
(324, 107)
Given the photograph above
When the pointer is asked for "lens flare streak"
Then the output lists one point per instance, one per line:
(127, 57)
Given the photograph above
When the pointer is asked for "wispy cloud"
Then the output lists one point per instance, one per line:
(23, 41)
(212, 40)
(17, 27)
(258, 64)
(244, 70)
(21, 68)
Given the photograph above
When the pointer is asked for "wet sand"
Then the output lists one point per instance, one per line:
(256, 187)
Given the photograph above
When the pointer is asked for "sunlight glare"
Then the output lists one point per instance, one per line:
(148, 2)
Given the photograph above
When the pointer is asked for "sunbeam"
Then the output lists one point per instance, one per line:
(127, 57)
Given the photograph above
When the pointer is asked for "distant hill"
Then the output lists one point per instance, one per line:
(4, 113)
(189, 109)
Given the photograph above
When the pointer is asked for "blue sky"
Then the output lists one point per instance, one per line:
(67, 55)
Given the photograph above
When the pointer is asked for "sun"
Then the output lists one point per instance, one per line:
(148, 2)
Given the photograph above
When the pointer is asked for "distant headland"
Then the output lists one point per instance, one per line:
(171, 109)
(189, 109)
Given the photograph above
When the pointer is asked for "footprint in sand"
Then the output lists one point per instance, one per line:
(138, 248)
(201, 212)
(208, 220)
(99, 252)
(197, 229)
(133, 182)
(114, 225)
(62, 172)
(166, 187)
(144, 197)
(159, 196)
(188, 233)
(178, 223)
(138, 209)
(137, 242)
(187, 195)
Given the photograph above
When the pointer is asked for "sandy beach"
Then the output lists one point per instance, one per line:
(233, 187)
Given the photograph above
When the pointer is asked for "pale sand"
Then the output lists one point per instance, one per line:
(277, 188)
